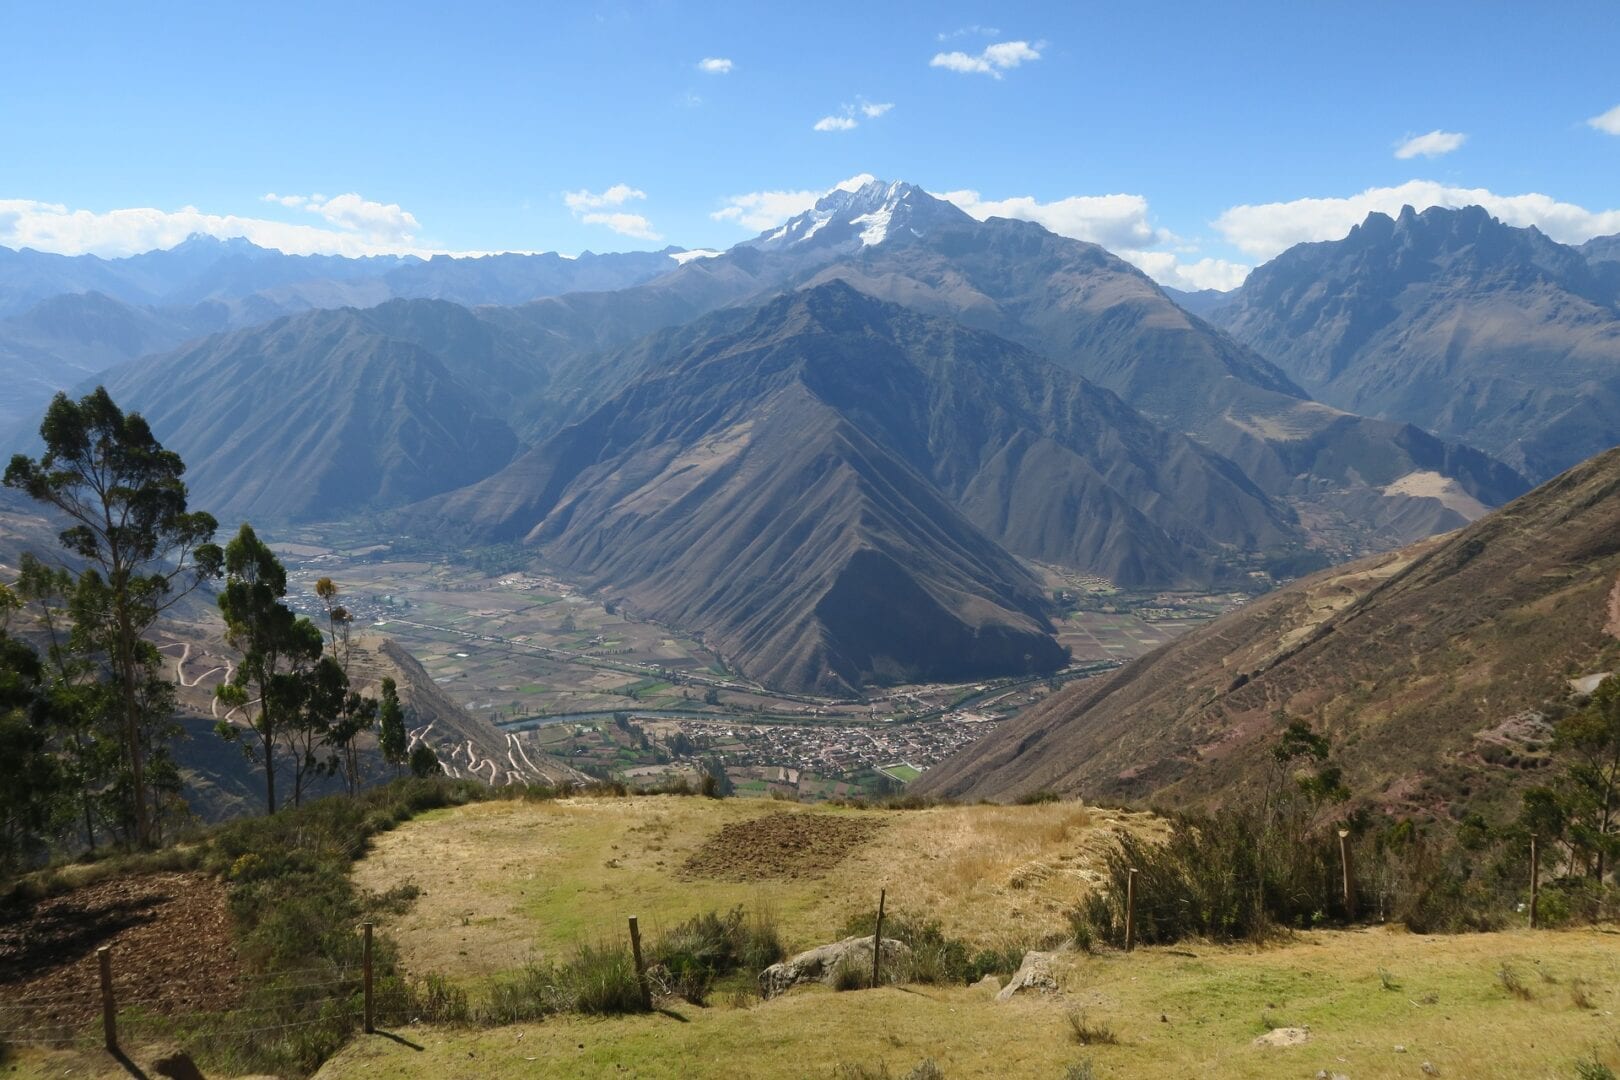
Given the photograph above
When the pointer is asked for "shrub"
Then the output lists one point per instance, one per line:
(601, 981)
(1509, 978)
(1080, 1070)
(935, 957)
(850, 974)
(1590, 1068)
(688, 960)
(1087, 1033)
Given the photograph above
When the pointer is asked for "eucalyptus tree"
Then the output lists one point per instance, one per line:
(271, 685)
(391, 725)
(356, 714)
(140, 549)
(31, 780)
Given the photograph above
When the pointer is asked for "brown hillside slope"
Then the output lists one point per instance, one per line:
(1422, 665)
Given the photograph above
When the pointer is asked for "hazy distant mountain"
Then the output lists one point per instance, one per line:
(206, 268)
(321, 415)
(63, 341)
(820, 486)
(1199, 303)
(64, 319)
(1432, 669)
(1603, 255)
(1449, 319)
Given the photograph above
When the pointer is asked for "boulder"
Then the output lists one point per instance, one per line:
(819, 964)
(1034, 974)
(989, 984)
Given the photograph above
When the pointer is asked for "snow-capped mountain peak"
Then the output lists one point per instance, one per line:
(876, 212)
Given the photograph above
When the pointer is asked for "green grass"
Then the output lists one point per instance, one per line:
(1451, 1012)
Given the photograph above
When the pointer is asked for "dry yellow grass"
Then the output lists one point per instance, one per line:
(504, 881)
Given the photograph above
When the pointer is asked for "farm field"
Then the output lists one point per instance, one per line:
(510, 639)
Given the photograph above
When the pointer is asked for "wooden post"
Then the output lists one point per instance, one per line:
(109, 1007)
(370, 1026)
(1344, 862)
(1535, 882)
(1130, 909)
(641, 972)
(877, 940)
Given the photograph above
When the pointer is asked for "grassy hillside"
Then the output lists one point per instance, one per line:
(1434, 670)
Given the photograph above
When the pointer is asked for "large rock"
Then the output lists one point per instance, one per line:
(1034, 974)
(819, 964)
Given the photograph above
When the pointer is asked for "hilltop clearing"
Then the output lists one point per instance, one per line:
(502, 881)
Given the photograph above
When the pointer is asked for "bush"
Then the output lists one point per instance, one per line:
(1236, 875)
(689, 959)
(1087, 1033)
(935, 957)
(850, 974)
(601, 981)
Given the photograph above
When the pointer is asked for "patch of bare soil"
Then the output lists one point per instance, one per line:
(171, 942)
(778, 846)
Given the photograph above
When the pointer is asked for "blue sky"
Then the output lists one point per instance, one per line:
(466, 128)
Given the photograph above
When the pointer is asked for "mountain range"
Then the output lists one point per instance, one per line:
(829, 449)
(1451, 320)
(829, 486)
(65, 319)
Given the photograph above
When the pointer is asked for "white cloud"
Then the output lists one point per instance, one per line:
(617, 195)
(969, 31)
(1120, 223)
(1609, 121)
(591, 206)
(382, 223)
(835, 123)
(128, 231)
(844, 118)
(761, 210)
(1267, 229)
(715, 65)
(1002, 56)
(625, 224)
(1206, 273)
(1114, 221)
(1433, 144)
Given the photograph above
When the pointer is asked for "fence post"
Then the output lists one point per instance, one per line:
(1535, 882)
(1130, 909)
(877, 939)
(370, 1026)
(641, 972)
(1344, 862)
(109, 1006)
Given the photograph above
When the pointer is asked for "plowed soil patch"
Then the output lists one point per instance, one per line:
(170, 939)
(778, 846)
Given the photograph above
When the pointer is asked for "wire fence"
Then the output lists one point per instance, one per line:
(101, 1013)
